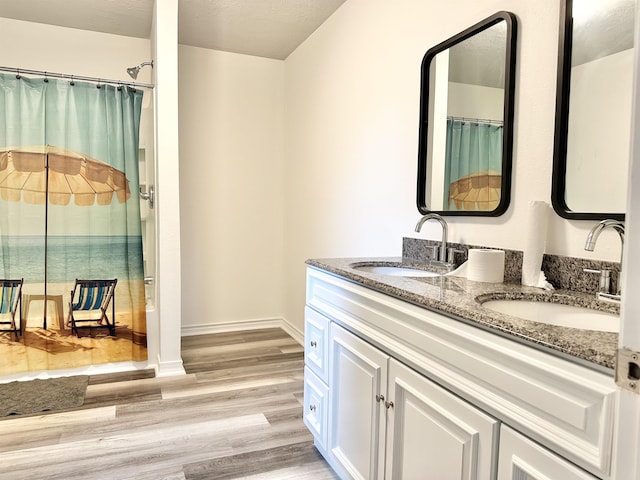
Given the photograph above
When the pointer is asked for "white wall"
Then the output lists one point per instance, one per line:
(352, 92)
(169, 273)
(599, 132)
(437, 141)
(66, 50)
(232, 193)
(475, 101)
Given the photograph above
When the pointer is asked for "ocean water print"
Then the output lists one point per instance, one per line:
(71, 257)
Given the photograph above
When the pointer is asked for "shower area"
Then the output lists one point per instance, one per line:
(51, 237)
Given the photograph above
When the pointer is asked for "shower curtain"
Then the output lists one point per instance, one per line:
(473, 165)
(69, 209)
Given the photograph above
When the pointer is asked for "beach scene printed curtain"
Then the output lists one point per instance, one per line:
(473, 165)
(69, 209)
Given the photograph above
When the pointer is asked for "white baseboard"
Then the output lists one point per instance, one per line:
(208, 328)
(169, 369)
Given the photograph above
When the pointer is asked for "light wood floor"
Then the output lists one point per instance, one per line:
(236, 414)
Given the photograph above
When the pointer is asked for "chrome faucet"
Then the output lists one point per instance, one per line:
(442, 254)
(590, 244)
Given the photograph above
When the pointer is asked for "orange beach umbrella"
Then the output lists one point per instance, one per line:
(28, 173)
(477, 191)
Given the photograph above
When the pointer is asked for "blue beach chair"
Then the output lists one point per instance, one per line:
(89, 305)
(10, 303)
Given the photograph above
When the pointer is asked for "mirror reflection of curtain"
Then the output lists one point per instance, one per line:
(473, 165)
(69, 187)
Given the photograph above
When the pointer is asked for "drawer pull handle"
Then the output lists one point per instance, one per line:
(388, 405)
(312, 408)
(314, 344)
(379, 398)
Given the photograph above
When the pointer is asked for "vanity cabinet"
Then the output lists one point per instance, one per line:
(396, 391)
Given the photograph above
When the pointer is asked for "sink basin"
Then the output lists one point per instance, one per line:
(396, 271)
(557, 314)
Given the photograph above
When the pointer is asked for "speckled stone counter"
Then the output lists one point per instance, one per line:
(461, 299)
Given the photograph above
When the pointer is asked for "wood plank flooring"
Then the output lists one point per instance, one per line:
(236, 414)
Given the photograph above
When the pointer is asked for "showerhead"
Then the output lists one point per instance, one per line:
(133, 71)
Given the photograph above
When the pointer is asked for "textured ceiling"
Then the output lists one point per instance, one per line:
(601, 28)
(274, 28)
(264, 28)
(121, 17)
(480, 59)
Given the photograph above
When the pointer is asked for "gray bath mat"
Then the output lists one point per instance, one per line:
(35, 396)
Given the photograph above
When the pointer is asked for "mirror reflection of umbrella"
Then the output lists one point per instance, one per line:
(476, 191)
(34, 174)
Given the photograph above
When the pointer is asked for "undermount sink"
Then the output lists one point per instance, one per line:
(396, 271)
(557, 314)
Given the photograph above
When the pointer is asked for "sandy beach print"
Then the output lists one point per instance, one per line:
(56, 347)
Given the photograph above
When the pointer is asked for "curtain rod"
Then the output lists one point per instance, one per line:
(20, 71)
(483, 120)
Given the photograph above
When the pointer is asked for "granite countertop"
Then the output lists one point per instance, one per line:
(457, 297)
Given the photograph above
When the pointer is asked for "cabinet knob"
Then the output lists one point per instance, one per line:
(379, 398)
(313, 343)
(388, 404)
(312, 408)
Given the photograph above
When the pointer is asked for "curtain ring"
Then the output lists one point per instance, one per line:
(46, 80)
(72, 83)
(18, 76)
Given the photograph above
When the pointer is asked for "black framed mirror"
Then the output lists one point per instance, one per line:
(593, 109)
(466, 120)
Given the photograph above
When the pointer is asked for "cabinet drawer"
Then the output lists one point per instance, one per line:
(315, 409)
(316, 348)
(521, 458)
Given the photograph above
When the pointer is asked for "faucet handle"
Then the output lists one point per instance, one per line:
(451, 252)
(605, 279)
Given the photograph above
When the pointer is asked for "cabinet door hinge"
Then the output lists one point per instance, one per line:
(628, 370)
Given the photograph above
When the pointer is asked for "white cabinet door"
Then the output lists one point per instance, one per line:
(434, 435)
(522, 459)
(357, 419)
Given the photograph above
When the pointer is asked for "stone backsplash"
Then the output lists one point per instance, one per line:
(568, 273)
(562, 272)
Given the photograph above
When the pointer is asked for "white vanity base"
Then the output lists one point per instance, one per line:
(393, 390)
